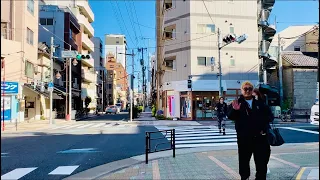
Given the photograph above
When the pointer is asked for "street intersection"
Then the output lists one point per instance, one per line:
(56, 152)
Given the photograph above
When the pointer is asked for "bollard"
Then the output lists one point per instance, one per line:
(174, 142)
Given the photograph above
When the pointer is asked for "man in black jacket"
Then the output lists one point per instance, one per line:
(252, 119)
(221, 113)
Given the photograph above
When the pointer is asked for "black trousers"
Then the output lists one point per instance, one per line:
(260, 148)
(221, 122)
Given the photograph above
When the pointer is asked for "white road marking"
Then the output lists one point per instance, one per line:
(206, 137)
(207, 141)
(17, 173)
(86, 125)
(108, 125)
(73, 126)
(205, 145)
(63, 170)
(60, 127)
(302, 130)
(98, 125)
(200, 134)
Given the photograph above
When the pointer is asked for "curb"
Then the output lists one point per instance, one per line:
(108, 168)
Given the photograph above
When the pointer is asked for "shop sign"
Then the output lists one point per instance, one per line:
(7, 107)
(9, 87)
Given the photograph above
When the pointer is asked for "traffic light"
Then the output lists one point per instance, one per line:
(229, 38)
(83, 56)
(189, 83)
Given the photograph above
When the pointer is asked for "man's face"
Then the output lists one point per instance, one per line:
(247, 91)
(221, 100)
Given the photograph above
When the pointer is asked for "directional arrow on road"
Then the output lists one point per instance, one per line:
(83, 150)
(4, 155)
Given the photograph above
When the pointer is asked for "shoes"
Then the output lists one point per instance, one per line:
(224, 132)
(219, 130)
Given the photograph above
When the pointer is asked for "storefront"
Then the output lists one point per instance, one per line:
(9, 102)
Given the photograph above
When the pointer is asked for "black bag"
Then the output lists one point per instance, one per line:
(274, 136)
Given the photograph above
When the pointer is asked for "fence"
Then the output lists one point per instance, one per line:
(172, 142)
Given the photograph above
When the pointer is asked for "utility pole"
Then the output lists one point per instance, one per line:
(70, 84)
(219, 63)
(51, 79)
(3, 93)
(280, 69)
(102, 90)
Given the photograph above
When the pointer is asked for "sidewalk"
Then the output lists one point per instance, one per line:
(289, 161)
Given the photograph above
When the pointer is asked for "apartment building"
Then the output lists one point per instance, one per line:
(85, 16)
(99, 67)
(120, 77)
(19, 55)
(60, 23)
(187, 50)
(116, 45)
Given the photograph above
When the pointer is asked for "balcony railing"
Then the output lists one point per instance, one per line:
(86, 42)
(85, 22)
(86, 9)
(87, 75)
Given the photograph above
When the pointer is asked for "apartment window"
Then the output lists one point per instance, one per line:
(29, 69)
(296, 48)
(202, 61)
(232, 62)
(46, 21)
(170, 32)
(206, 28)
(232, 30)
(4, 30)
(170, 63)
(168, 4)
(30, 6)
(29, 36)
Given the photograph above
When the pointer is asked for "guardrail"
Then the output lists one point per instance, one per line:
(172, 142)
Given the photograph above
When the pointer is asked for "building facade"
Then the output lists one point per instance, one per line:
(59, 21)
(99, 66)
(187, 50)
(19, 55)
(116, 45)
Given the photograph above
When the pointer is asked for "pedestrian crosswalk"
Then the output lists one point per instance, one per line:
(23, 172)
(200, 136)
(76, 126)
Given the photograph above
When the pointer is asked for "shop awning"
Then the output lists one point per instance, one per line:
(55, 95)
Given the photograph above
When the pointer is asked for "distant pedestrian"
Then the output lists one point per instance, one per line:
(221, 108)
(252, 119)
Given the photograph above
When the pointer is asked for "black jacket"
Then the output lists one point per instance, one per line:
(250, 122)
(222, 109)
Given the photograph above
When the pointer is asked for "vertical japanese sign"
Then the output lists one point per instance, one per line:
(6, 108)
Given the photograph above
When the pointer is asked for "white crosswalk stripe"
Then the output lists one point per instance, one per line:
(204, 136)
(86, 125)
(21, 172)
(97, 125)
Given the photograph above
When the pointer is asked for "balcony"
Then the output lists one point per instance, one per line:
(87, 76)
(87, 43)
(85, 22)
(85, 9)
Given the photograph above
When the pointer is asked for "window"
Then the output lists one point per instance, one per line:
(201, 61)
(168, 4)
(109, 86)
(4, 30)
(296, 48)
(30, 6)
(232, 30)
(29, 69)
(170, 32)
(46, 21)
(170, 63)
(232, 62)
(206, 28)
(29, 36)
(117, 42)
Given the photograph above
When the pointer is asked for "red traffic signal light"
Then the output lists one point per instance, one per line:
(229, 38)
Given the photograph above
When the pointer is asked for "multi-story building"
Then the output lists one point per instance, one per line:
(60, 23)
(99, 66)
(19, 55)
(117, 46)
(188, 50)
(85, 16)
(120, 76)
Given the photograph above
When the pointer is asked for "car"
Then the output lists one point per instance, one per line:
(112, 109)
(314, 115)
(119, 105)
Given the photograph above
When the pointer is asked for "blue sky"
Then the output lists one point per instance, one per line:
(108, 18)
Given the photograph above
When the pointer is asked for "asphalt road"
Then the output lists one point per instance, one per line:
(41, 151)
(47, 151)
(110, 117)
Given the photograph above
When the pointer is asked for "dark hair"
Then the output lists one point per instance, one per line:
(221, 98)
(260, 96)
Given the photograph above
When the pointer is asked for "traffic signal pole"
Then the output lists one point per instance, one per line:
(51, 80)
(70, 85)
(219, 63)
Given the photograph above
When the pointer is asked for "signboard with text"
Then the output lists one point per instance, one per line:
(10, 87)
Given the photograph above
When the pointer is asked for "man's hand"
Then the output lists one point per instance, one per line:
(236, 105)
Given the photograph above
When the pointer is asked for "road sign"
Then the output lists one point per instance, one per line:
(69, 54)
(242, 38)
(50, 86)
